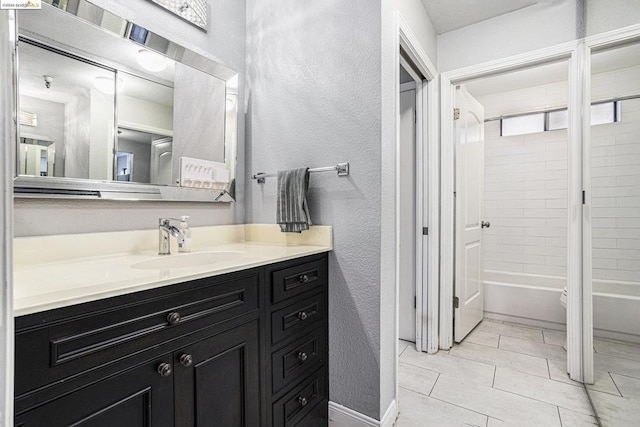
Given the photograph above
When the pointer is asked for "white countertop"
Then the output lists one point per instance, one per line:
(74, 279)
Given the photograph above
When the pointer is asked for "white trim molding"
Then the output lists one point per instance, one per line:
(341, 416)
(8, 100)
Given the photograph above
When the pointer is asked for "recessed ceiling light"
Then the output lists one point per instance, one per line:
(151, 61)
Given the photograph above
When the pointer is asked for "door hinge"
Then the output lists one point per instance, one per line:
(584, 197)
(415, 302)
(415, 116)
(425, 231)
(456, 113)
(456, 302)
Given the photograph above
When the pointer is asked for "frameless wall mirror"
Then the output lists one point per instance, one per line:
(108, 109)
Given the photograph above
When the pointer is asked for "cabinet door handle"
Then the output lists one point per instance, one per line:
(302, 356)
(164, 369)
(485, 224)
(302, 401)
(303, 278)
(173, 318)
(302, 315)
(186, 360)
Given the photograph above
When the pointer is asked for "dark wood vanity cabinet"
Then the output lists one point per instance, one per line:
(242, 349)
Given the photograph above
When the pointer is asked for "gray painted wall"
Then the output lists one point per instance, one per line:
(313, 99)
(141, 158)
(225, 42)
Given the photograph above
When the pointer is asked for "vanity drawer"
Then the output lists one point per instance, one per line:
(298, 279)
(296, 360)
(128, 326)
(305, 405)
(299, 317)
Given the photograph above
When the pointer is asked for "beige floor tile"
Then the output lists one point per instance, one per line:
(603, 383)
(444, 363)
(531, 348)
(617, 365)
(614, 411)
(512, 330)
(416, 379)
(558, 371)
(505, 359)
(402, 346)
(502, 405)
(576, 419)
(617, 348)
(554, 337)
(629, 387)
(417, 410)
(483, 338)
(567, 396)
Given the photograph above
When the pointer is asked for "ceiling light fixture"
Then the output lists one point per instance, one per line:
(151, 61)
(106, 84)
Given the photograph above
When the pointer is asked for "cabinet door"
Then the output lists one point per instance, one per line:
(138, 397)
(217, 380)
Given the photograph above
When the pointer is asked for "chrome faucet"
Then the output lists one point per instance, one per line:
(166, 230)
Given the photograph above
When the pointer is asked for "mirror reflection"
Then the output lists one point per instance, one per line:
(65, 105)
(106, 106)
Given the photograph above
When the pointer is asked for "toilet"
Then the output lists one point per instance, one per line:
(563, 303)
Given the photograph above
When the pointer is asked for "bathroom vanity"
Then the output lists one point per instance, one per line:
(238, 348)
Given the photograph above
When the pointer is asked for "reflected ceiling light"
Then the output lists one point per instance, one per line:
(106, 84)
(151, 61)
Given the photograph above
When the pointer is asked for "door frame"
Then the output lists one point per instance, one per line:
(572, 52)
(8, 99)
(427, 133)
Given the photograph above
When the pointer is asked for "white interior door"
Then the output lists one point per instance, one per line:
(407, 264)
(469, 185)
(161, 161)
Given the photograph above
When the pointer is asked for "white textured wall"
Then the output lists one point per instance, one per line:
(545, 24)
(225, 42)
(607, 15)
(313, 99)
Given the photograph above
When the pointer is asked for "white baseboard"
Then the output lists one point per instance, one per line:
(341, 416)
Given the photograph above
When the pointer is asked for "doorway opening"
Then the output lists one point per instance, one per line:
(408, 198)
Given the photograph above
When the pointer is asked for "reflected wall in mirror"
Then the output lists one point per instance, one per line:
(107, 107)
(615, 237)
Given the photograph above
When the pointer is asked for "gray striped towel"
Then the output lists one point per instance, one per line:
(292, 212)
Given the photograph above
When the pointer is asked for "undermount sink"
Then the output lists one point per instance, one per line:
(198, 259)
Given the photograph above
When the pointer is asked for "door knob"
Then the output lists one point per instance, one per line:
(302, 356)
(485, 224)
(302, 315)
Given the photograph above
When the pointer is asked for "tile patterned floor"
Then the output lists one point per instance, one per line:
(616, 392)
(505, 374)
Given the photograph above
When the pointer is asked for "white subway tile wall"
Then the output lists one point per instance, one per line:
(616, 197)
(526, 199)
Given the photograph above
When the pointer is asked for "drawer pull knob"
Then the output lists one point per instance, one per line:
(173, 318)
(303, 278)
(164, 369)
(186, 360)
(302, 356)
(302, 315)
(302, 401)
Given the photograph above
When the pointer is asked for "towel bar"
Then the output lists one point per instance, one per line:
(341, 168)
